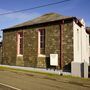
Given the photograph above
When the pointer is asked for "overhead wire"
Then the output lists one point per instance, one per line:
(46, 5)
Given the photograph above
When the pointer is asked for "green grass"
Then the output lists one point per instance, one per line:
(44, 73)
(69, 76)
(21, 70)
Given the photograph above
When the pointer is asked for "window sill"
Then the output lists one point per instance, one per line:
(41, 55)
(19, 55)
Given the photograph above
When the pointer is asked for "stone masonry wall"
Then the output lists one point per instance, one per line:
(30, 46)
(9, 48)
(0, 54)
(52, 45)
(68, 44)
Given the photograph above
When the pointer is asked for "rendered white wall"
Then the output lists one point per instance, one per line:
(81, 43)
(77, 46)
(85, 44)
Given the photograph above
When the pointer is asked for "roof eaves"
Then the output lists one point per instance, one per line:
(37, 23)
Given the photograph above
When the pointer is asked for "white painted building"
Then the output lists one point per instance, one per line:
(81, 50)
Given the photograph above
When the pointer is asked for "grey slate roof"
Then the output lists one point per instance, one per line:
(44, 18)
(49, 17)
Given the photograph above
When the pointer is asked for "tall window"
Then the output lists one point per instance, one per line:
(20, 43)
(41, 41)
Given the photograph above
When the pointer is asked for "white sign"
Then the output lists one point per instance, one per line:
(54, 59)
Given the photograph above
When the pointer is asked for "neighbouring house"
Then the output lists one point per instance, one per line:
(30, 44)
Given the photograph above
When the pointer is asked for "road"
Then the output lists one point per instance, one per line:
(36, 81)
(7, 87)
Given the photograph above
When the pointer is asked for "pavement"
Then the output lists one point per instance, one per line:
(52, 71)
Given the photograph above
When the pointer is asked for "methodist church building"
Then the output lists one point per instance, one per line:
(33, 43)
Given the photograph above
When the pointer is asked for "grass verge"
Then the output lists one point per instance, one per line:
(22, 70)
(38, 72)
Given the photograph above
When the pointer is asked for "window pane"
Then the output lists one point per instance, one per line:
(42, 32)
(21, 50)
(42, 38)
(42, 45)
(21, 40)
(21, 34)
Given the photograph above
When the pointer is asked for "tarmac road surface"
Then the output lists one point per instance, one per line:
(7, 87)
(35, 81)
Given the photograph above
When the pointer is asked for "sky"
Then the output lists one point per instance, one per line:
(77, 8)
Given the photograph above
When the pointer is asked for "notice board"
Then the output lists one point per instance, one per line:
(54, 59)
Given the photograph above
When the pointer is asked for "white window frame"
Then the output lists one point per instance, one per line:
(39, 42)
(18, 43)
